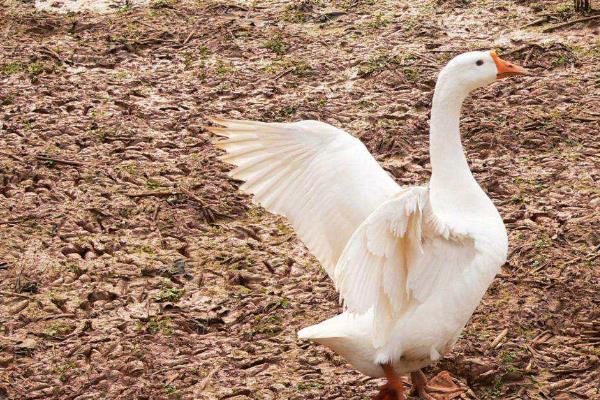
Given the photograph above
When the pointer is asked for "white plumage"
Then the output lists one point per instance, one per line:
(410, 264)
(322, 179)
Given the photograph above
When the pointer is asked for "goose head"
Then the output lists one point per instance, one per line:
(475, 69)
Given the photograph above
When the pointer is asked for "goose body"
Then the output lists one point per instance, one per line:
(448, 279)
(411, 264)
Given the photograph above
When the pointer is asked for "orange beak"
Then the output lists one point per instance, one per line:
(506, 69)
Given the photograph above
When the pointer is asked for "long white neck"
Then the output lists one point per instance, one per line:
(452, 185)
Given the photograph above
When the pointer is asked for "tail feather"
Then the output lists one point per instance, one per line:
(347, 335)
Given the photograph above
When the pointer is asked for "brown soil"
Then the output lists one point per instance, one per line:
(132, 268)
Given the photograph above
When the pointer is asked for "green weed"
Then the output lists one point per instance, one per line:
(379, 21)
(58, 329)
(163, 326)
(62, 370)
(276, 44)
(171, 295)
(222, 69)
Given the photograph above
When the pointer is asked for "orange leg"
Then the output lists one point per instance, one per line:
(393, 389)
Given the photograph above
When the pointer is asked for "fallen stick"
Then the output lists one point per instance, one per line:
(499, 338)
(539, 21)
(569, 23)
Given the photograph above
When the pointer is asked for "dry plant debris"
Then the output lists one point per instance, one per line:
(131, 267)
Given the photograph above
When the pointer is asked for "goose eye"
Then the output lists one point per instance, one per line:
(479, 62)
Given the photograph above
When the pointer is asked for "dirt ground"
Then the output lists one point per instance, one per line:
(132, 268)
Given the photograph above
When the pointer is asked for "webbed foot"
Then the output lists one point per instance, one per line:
(441, 386)
(394, 388)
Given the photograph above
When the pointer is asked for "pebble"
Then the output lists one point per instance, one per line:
(135, 368)
(296, 270)
(5, 360)
(277, 387)
(74, 256)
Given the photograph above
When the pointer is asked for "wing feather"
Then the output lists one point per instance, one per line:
(381, 247)
(385, 267)
(320, 177)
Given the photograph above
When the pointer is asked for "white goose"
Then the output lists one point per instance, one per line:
(410, 263)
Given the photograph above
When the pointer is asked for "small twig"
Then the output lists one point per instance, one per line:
(247, 232)
(23, 219)
(522, 48)
(269, 266)
(282, 241)
(284, 73)
(539, 21)
(499, 338)
(54, 55)
(154, 220)
(57, 316)
(424, 57)
(206, 380)
(208, 213)
(528, 56)
(424, 65)
(23, 296)
(11, 339)
(42, 157)
(14, 157)
(569, 23)
(443, 51)
(164, 193)
(538, 268)
(585, 119)
(228, 6)
(192, 196)
(187, 39)
(147, 25)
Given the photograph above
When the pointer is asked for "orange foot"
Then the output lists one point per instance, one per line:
(393, 389)
(441, 385)
(387, 392)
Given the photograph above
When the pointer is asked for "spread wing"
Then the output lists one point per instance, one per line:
(397, 257)
(320, 177)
